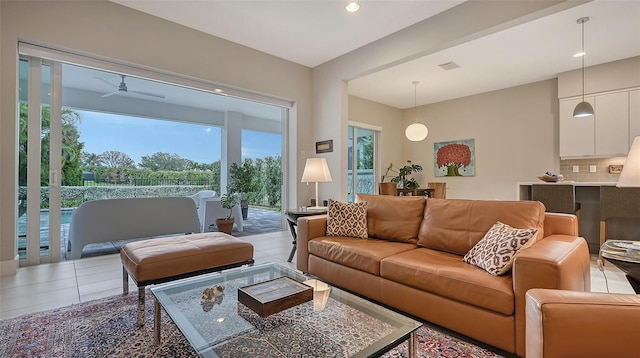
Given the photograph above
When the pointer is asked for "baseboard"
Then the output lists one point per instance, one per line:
(9, 268)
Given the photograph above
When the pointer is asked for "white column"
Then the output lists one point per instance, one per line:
(231, 146)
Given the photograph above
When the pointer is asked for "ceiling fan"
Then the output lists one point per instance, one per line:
(122, 89)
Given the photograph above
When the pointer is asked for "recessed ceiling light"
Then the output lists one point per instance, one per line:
(353, 6)
(218, 90)
(579, 54)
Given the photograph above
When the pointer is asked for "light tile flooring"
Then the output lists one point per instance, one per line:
(44, 287)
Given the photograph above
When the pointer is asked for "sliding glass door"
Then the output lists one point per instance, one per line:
(361, 161)
(123, 132)
(40, 161)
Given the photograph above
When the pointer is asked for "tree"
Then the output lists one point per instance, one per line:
(241, 178)
(165, 161)
(366, 153)
(70, 149)
(116, 160)
(117, 163)
(454, 156)
(273, 182)
(90, 160)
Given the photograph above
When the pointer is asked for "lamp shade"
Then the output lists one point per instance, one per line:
(630, 176)
(316, 170)
(583, 109)
(416, 132)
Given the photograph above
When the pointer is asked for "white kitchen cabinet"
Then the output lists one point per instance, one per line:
(577, 135)
(612, 124)
(634, 115)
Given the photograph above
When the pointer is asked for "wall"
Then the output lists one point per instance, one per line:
(602, 169)
(389, 119)
(111, 31)
(465, 22)
(515, 132)
(601, 78)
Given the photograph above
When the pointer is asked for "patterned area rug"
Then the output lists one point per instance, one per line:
(107, 328)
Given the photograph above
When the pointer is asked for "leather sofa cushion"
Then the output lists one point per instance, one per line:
(445, 274)
(393, 218)
(457, 225)
(359, 254)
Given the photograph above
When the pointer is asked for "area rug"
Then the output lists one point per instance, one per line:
(107, 328)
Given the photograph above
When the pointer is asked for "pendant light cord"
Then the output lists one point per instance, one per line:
(415, 101)
(583, 55)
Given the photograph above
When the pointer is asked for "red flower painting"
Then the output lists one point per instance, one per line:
(454, 156)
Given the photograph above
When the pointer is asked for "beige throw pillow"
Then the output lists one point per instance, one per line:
(496, 250)
(347, 219)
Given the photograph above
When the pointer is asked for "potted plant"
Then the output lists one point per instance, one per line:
(387, 188)
(402, 178)
(228, 201)
(241, 181)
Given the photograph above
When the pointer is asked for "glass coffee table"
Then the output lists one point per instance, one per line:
(334, 323)
(625, 255)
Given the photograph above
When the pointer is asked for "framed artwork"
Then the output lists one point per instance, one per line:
(615, 169)
(326, 146)
(455, 158)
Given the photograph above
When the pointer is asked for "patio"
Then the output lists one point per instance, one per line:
(259, 221)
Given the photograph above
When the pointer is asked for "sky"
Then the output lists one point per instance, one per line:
(137, 137)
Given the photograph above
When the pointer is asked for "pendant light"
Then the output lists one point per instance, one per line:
(583, 109)
(416, 132)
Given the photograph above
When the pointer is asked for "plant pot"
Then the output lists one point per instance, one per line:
(388, 188)
(225, 225)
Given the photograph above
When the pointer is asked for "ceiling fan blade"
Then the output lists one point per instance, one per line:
(107, 82)
(157, 95)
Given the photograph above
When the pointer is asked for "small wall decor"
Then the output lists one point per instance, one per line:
(326, 146)
(455, 158)
(615, 169)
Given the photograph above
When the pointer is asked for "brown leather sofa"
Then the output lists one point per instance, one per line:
(567, 324)
(412, 261)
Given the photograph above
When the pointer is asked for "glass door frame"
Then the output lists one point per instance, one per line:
(352, 191)
(35, 87)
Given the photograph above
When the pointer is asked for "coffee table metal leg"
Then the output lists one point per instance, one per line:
(412, 344)
(125, 281)
(141, 312)
(157, 311)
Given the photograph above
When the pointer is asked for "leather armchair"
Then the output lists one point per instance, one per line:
(582, 324)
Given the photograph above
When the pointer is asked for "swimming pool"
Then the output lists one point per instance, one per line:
(65, 219)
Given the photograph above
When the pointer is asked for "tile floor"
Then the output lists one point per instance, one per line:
(44, 287)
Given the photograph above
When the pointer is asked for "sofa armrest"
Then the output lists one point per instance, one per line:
(557, 261)
(309, 227)
(582, 324)
(560, 224)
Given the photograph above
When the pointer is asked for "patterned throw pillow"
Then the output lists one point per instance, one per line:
(497, 249)
(347, 219)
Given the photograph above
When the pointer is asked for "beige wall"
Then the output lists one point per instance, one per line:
(109, 30)
(470, 20)
(609, 76)
(515, 132)
(389, 119)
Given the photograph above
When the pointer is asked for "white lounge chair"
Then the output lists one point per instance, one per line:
(212, 209)
(199, 199)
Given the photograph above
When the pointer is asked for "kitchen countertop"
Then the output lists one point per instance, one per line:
(574, 183)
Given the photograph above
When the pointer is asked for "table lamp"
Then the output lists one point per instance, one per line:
(630, 175)
(316, 170)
